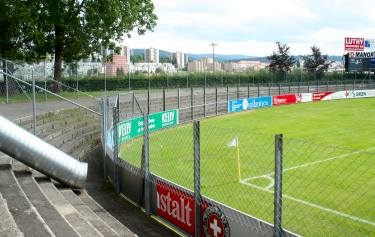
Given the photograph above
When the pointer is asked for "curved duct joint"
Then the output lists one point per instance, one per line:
(41, 156)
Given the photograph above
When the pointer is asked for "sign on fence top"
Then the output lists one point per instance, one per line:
(359, 44)
(132, 128)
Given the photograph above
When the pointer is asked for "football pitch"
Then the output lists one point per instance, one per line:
(328, 163)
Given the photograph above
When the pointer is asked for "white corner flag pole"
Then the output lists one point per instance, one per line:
(238, 159)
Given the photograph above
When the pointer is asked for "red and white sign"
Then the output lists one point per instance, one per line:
(284, 99)
(318, 96)
(175, 206)
(354, 44)
(304, 97)
(350, 94)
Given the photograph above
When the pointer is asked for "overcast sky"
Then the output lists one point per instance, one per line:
(252, 27)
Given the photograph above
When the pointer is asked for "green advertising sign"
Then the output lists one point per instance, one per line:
(132, 128)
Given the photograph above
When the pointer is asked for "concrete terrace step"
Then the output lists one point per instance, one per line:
(88, 214)
(8, 227)
(5, 161)
(65, 209)
(104, 215)
(77, 142)
(25, 215)
(58, 225)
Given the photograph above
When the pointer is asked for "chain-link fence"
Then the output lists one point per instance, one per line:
(254, 179)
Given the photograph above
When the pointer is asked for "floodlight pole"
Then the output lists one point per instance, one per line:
(213, 54)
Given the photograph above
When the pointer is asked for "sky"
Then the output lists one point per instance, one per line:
(251, 27)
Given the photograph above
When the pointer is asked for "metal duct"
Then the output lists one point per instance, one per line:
(41, 156)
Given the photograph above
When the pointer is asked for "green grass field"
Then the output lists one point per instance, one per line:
(329, 163)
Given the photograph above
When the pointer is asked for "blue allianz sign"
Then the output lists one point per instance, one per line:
(249, 103)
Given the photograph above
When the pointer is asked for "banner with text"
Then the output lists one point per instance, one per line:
(132, 128)
(304, 97)
(349, 94)
(284, 99)
(249, 103)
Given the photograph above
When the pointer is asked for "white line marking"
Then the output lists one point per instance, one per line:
(272, 182)
(313, 205)
(309, 163)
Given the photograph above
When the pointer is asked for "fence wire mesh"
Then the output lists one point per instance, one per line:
(328, 191)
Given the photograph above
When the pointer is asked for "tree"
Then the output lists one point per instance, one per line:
(316, 62)
(137, 58)
(165, 59)
(281, 60)
(71, 29)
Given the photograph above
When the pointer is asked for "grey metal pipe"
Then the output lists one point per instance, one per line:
(41, 156)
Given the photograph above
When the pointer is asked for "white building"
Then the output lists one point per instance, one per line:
(125, 51)
(204, 65)
(195, 66)
(152, 55)
(179, 59)
(152, 67)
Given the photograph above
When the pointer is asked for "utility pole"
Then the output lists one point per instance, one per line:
(213, 53)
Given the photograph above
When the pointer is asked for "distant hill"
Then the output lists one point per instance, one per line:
(226, 57)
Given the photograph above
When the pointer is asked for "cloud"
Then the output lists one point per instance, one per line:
(252, 26)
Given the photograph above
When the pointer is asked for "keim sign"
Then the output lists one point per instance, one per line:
(132, 128)
(249, 103)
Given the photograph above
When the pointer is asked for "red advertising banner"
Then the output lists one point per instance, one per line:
(354, 44)
(175, 206)
(284, 99)
(318, 96)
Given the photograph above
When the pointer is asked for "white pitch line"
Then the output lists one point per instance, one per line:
(314, 205)
(272, 182)
(309, 163)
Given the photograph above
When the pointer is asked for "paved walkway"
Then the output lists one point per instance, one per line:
(18, 110)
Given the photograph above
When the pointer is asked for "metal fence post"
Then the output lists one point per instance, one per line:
(238, 91)
(327, 85)
(258, 90)
(104, 131)
(115, 147)
(6, 82)
(34, 103)
(178, 98)
(277, 218)
(146, 165)
(353, 85)
(279, 89)
(197, 177)
(269, 90)
(163, 99)
(248, 90)
(308, 86)
(148, 100)
(192, 102)
(133, 100)
(216, 109)
(204, 102)
(227, 98)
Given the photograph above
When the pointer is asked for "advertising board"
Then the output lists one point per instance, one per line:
(284, 99)
(354, 44)
(175, 206)
(318, 96)
(350, 94)
(249, 103)
(304, 97)
(132, 128)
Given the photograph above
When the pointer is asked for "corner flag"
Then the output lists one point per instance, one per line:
(235, 143)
